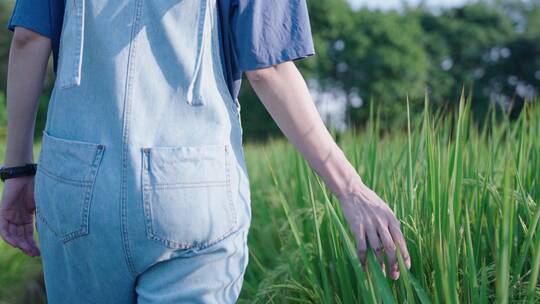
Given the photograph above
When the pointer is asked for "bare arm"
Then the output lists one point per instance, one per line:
(28, 58)
(285, 95)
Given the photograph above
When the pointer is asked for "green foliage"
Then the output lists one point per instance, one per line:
(21, 278)
(465, 46)
(387, 62)
(468, 200)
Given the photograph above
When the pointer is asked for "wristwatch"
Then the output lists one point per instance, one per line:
(11, 172)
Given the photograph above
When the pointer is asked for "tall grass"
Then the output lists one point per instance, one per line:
(467, 197)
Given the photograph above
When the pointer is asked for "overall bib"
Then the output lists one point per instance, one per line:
(142, 193)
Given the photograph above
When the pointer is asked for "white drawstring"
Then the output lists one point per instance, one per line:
(81, 42)
(200, 49)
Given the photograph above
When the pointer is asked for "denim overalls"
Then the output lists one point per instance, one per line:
(142, 191)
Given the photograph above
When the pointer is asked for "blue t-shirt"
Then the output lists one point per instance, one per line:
(253, 33)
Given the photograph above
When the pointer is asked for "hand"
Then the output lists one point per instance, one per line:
(370, 217)
(17, 214)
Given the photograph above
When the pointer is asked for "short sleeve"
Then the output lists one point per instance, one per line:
(268, 32)
(33, 15)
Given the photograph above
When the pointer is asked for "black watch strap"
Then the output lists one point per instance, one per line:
(12, 172)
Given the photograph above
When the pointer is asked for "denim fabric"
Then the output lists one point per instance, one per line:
(142, 191)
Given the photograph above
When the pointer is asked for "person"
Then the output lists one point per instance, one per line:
(141, 191)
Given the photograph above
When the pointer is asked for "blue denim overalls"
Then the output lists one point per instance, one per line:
(142, 191)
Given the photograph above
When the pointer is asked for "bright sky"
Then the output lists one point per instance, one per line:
(396, 3)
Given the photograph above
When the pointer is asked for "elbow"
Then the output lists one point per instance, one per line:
(23, 37)
(262, 75)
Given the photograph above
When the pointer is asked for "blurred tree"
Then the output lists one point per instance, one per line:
(464, 46)
(384, 60)
(517, 76)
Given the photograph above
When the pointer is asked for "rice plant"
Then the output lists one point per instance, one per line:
(467, 198)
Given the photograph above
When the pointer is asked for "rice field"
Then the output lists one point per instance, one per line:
(467, 198)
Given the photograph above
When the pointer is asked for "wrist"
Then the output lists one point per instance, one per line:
(16, 163)
(354, 185)
(343, 177)
(18, 157)
(11, 172)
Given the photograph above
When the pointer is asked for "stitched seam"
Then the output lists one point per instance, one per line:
(188, 149)
(87, 190)
(125, 137)
(64, 179)
(95, 167)
(147, 197)
(184, 185)
(232, 207)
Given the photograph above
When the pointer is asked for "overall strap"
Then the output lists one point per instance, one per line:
(70, 60)
(73, 61)
(193, 93)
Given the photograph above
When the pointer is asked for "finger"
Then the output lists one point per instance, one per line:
(9, 239)
(361, 246)
(21, 238)
(13, 231)
(3, 226)
(14, 241)
(25, 247)
(17, 235)
(376, 245)
(29, 236)
(400, 240)
(4, 232)
(390, 251)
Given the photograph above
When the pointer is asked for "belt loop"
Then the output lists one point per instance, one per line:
(194, 84)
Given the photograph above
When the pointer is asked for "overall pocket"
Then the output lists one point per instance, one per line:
(187, 195)
(71, 45)
(64, 185)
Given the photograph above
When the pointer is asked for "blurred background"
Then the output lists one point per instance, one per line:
(384, 51)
